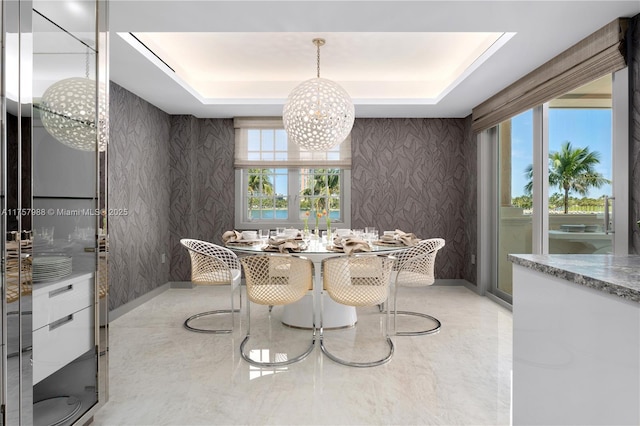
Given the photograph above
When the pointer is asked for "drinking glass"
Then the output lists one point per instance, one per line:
(47, 234)
(358, 232)
(306, 236)
(264, 235)
(280, 231)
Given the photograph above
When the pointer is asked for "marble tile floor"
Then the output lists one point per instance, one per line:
(162, 374)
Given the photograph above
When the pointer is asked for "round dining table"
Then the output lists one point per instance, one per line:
(335, 315)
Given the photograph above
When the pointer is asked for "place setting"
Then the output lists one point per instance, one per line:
(397, 238)
(285, 245)
(244, 238)
(287, 240)
(349, 245)
(280, 241)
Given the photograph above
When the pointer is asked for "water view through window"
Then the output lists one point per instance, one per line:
(317, 192)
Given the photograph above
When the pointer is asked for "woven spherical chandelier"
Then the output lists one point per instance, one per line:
(68, 113)
(319, 114)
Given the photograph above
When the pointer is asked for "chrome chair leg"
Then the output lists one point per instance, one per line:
(231, 311)
(348, 363)
(396, 312)
(211, 331)
(277, 363)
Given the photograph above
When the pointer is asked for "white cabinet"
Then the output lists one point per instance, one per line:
(55, 301)
(63, 323)
(576, 352)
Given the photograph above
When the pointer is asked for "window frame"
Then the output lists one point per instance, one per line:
(295, 162)
(242, 221)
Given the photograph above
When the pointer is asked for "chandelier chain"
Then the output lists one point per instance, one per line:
(318, 59)
(86, 64)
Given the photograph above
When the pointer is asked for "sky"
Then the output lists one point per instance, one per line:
(582, 127)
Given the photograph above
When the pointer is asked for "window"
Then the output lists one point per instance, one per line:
(280, 184)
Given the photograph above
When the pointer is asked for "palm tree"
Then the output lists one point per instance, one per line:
(325, 183)
(571, 169)
(258, 183)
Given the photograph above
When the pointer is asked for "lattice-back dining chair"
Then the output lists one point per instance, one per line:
(212, 264)
(415, 268)
(277, 279)
(358, 280)
(18, 278)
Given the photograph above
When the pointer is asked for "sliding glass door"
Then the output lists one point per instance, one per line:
(556, 170)
(515, 206)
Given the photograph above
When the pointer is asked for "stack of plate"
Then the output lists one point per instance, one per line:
(47, 268)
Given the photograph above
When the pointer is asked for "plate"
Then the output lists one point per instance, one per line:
(276, 249)
(245, 242)
(46, 268)
(388, 243)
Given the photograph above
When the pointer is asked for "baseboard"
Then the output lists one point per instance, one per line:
(182, 284)
(129, 306)
(474, 288)
(449, 281)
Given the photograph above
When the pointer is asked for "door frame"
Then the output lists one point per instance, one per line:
(620, 160)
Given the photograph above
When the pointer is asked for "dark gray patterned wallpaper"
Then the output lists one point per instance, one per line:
(139, 181)
(181, 160)
(470, 202)
(633, 49)
(413, 174)
(202, 185)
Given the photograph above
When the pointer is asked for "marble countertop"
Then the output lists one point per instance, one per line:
(617, 275)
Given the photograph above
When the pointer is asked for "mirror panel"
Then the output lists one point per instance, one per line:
(53, 194)
(65, 353)
(16, 219)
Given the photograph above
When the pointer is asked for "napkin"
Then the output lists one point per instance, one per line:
(400, 237)
(231, 237)
(351, 245)
(390, 239)
(283, 245)
(408, 239)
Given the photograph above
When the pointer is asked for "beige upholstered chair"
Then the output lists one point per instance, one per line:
(357, 280)
(276, 279)
(415, 268)
(212, 264)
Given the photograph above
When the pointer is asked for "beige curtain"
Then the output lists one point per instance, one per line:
(603, 52)
(295, 157)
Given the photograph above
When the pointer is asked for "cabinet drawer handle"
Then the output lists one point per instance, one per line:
(61, 322)
(58, 291)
